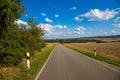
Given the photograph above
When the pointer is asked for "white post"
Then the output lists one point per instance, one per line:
(28, 60)
(95, 51)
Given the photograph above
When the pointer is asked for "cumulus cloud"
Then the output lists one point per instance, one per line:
(56, 15)
(73, 8)
(20, 22)
(46, 27)
(77, 19)
(43, 14)
(48, 20)
(97, 15)
(51, 28)
(80, 30)
(60, 27)
(117, 19)
(60, 31)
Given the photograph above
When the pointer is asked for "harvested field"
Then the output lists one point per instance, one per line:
(108, 49)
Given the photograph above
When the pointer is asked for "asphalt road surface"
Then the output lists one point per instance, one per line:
(66, 64)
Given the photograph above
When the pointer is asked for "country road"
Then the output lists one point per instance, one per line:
(66, 64)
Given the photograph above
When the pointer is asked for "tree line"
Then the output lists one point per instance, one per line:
(16, 40)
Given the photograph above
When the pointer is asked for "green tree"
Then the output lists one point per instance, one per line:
(15, 41)
(10, 35)
(10, 10)
(12, 47)
(34, 36)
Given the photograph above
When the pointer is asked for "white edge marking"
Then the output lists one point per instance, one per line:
(41, 70)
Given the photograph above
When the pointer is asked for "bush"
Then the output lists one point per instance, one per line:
(16, 41)
(10, 59)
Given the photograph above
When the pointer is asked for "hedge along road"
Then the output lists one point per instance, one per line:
(66, 64)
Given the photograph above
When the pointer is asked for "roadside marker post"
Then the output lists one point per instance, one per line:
(95, 51)
(28, 60)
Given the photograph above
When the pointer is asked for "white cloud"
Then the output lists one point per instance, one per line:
(64, 26)
(116, 25)
(43, 14)
(97, 15)
(56, 15)
(77, 19)
(80, 30)
(73, 8)
(113, 31)
(53, 31)
(20, 22)
(60, 27)
(48, 20)
(51, 28)
(117, 10)
(61, 31)
(46, 27)
(117, 19)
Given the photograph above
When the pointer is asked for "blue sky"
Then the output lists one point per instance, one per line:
(74, 18)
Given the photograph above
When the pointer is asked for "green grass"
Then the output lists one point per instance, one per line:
(36, 64)
(98, 57)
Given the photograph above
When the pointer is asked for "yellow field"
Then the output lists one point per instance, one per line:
(109, 49)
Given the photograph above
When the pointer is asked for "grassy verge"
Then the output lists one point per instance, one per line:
(21, 72)
(98, 57)
(36, 64)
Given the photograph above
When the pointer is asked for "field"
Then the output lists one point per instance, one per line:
(109, 49)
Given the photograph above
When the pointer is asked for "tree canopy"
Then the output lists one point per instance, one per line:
(15, 41)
